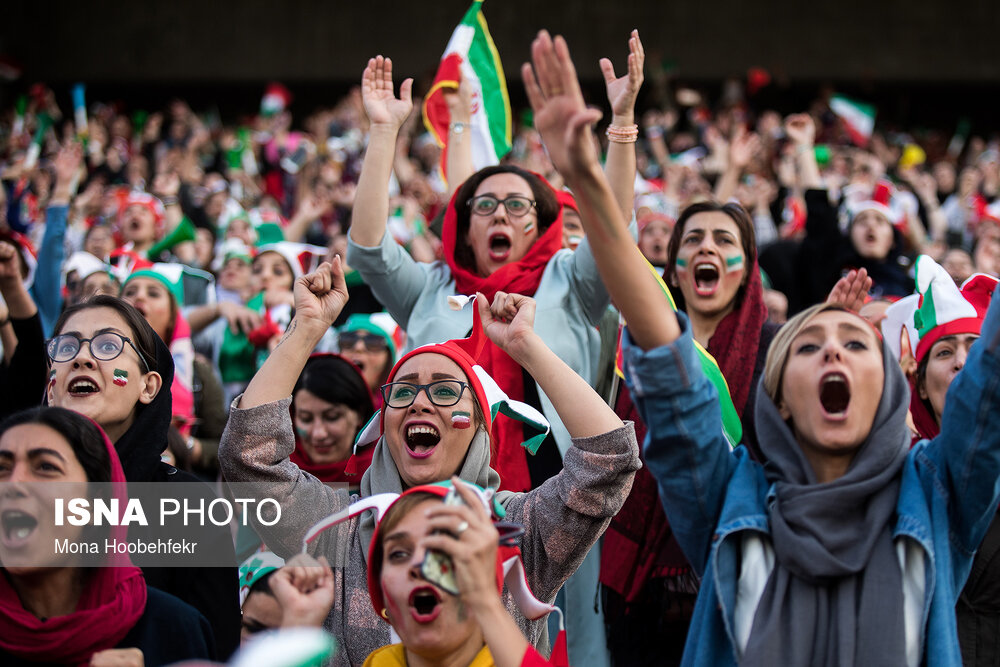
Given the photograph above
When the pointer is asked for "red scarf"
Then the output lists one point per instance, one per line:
(348, 471)
(112, 602)
(923, 418)
(639, 545)
(522, 277)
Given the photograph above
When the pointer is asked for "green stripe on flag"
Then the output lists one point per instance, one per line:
(485, 61)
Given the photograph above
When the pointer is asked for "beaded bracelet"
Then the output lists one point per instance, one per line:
(627, 134)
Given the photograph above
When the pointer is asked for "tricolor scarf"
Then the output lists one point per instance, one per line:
(112, 602)
(522, 277)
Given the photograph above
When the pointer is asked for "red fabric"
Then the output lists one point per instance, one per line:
(560, 657)
(348, 471)
(523, 277)
(923, 418)
(111, 604)
(267, 330)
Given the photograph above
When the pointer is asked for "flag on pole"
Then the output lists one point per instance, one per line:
(858, 117)
(471, 55)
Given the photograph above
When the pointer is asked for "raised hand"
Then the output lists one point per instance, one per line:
(10, 263)
(561, 116)
(623, 90)
(801, 129)
(851, 290)
(304, 589)
(320, 296)
(744, 147)
(381, 104)
(509, 322)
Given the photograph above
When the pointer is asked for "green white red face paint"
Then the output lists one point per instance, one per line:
(528, 227)
(120, 377)
(52, 377)
(461, 419)
(734, 262)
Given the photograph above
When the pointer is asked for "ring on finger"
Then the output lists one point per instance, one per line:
(462, 527)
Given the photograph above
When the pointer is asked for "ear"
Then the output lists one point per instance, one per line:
(149, 387)
(921, 390)
(783, 410)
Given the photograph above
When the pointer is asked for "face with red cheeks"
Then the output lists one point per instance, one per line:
(944, 360)
(422, 441)
(499, 238)
(710, 265)
(430, 622)
(831, 386)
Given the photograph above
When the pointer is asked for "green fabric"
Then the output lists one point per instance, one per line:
(237, 355)
(175, 288)
(363, 322)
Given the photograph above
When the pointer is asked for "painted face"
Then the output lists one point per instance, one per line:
(499, 238)
(653, 240)
(271, 271)
(139, 225)
(325, 429)
(944, 360)
(372, 362)
(710, 263)
(260, 612)
(424, 444)
(430, 622)
(871, 235)
(235, 275)
(29, 454)
(572, 228)
(89, 386)
(151, 298)
(831, 386)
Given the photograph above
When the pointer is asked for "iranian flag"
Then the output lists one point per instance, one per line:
(472, 55)
(858, 117)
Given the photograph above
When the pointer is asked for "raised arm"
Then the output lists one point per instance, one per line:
(622, 91)
(509, 322)
(459, 157)
(386, 114)
(564, 122)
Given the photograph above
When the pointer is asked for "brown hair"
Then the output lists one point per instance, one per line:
(546, 206)
(747, 240)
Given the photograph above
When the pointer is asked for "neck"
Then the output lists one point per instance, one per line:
(141, 246)
(50, 592)
(829, 467)
(703, 326)
(461, 656)
(118, 429)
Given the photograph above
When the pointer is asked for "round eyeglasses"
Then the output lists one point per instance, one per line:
(103, 347)
(515, 205)
(441, 393)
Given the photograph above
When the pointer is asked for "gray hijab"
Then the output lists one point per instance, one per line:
(835, 596)
(382, 476)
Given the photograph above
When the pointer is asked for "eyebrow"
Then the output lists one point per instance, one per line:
(34, 453)
(409, 377)
(96, 333)
(398, 535)
(816, 329)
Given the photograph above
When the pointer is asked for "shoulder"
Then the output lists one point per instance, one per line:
(169, 630)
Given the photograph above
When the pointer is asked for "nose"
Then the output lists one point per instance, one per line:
(318, 430)
(961, 354)
(831, 351)
(84, 357)
(421, 403)
(359, 345)
(416, 560)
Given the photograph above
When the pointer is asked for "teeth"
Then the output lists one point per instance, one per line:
(414, 430)
(85, 385)
(21, 533)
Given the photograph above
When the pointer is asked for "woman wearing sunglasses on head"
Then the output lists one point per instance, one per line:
(107, 363)
(850, 548)
(436, 422)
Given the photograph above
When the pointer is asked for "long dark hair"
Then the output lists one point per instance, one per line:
(336, 380)
(747, 239)
(82, 434)
(546, 206)
(140, 332)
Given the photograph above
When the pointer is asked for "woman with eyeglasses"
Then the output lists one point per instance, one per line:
(502, 233)
(436, 422)
(107, 363)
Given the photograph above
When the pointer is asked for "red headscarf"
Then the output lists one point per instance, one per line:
(112, 602)
(521, 277)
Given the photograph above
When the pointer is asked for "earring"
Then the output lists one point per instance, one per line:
(384, 614)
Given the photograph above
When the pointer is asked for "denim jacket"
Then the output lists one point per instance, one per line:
(713, 494)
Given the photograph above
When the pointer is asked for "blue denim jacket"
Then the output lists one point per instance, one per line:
(712, 494)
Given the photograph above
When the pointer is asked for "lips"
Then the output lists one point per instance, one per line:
(500, 245)
(16, 528)
(834, 394)
(706, 278)
(421, 439)
(82, 386)
(425, 604)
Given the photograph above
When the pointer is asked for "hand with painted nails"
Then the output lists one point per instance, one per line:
(510, 323)
(561, 115)
(381, 104)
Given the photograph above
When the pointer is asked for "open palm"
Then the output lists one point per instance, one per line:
(623, 90)
(381, 104)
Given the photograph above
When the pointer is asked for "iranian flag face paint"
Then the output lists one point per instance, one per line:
(710, 264)
(461, 419)
(120, 377)
(734, 263)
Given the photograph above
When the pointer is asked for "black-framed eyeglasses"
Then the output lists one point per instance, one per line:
(103, 347)
(515, 205)
(441, 393)
(372, 342)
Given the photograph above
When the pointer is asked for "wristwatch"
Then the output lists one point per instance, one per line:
(457, 127)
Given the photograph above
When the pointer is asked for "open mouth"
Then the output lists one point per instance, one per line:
(421, 439)
(706, 279)
(17, 527)
(425, 604)
(83, 387)
(500, 245)
(834, 394)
